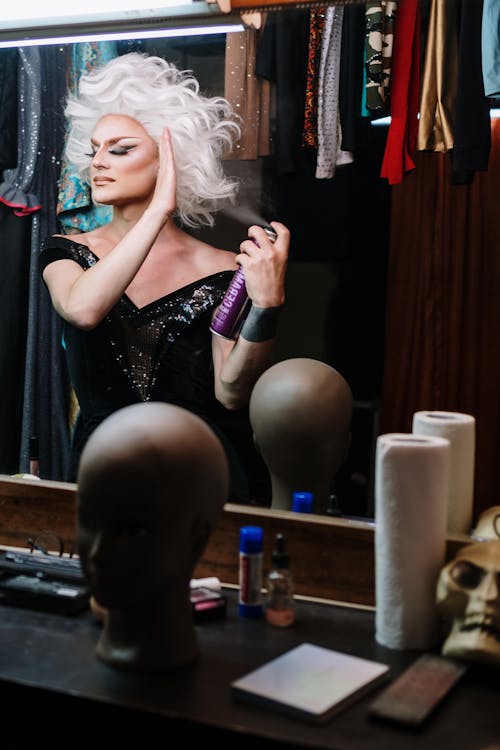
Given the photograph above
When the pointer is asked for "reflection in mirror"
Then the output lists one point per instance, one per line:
(433, 346)
(335, 281)
(300, 413)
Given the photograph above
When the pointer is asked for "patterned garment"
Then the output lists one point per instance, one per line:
(380, 22)
(316, 26)
(159, 352)
(75, 209)
(329, 130)
(249, 95)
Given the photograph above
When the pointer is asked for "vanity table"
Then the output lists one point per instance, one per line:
(49, 669)
(50, 676)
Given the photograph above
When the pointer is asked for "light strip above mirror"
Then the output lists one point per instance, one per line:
(83, 23)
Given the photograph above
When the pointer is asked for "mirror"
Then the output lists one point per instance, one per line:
(319, 283)
(336, 279)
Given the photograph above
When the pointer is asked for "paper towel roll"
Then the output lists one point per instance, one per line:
(411, 489)
(460, 430)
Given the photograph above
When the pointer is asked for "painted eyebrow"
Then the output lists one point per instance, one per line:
(111, 141)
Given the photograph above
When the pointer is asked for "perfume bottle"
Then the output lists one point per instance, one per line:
(279, 607)
(236, 303)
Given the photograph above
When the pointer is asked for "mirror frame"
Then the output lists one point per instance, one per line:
(333, 558)
(50, 29)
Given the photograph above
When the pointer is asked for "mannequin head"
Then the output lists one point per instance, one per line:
(152, 482)
(300, 412)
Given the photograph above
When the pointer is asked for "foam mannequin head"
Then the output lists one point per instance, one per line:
(300, 412)
(152, 482)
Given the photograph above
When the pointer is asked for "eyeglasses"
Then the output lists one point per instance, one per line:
(46, 541)
(39, 561)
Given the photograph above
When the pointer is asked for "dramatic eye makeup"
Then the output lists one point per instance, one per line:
(120, 150)
(115, 147)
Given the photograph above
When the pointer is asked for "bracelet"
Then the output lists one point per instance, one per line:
(261, 324)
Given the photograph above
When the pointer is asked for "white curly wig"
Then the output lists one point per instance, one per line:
(156, 94)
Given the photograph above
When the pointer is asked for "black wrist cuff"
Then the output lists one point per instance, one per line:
(261, 324)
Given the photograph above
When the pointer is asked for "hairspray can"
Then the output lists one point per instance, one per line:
(235, 304)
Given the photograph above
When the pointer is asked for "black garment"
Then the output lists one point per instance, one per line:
(15, 249)
(9, 63)
(159, 352)
(355, 128)
(281, 57)
(472, 126)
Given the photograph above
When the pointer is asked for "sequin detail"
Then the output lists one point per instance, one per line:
(14, 190)
(141, 337)
(316, 26)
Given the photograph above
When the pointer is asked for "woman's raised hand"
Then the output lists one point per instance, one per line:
(165, 194)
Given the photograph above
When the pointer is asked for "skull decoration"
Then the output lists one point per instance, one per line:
(488, 525)
(468, 603)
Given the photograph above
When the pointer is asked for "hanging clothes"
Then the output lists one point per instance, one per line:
(75, 209)
(15, 235)
(20, 205)
(354, 127)
(405, 91)
(439, 78)
(490, 48)
(15, 189)
(250, 96)
(330, 153)
(46, 386)
(282, 58)
(9, 62)
(316, 27)
(472, 125)
(380, 24)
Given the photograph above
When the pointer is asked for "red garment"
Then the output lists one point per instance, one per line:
(405, 94)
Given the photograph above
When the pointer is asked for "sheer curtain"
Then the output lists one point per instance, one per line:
(442, 342)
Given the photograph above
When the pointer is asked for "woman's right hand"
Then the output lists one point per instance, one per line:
(165, 194)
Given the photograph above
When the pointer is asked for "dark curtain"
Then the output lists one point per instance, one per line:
(442, 343)
(15, 233)
(46, 388)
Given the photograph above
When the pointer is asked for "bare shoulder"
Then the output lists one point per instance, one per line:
(212, 259)
(97, 240)
(226, 260)
(80, 237)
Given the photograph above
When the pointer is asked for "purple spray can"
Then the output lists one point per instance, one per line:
(236, 304)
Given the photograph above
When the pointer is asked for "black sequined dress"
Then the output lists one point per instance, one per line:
(159, 352)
